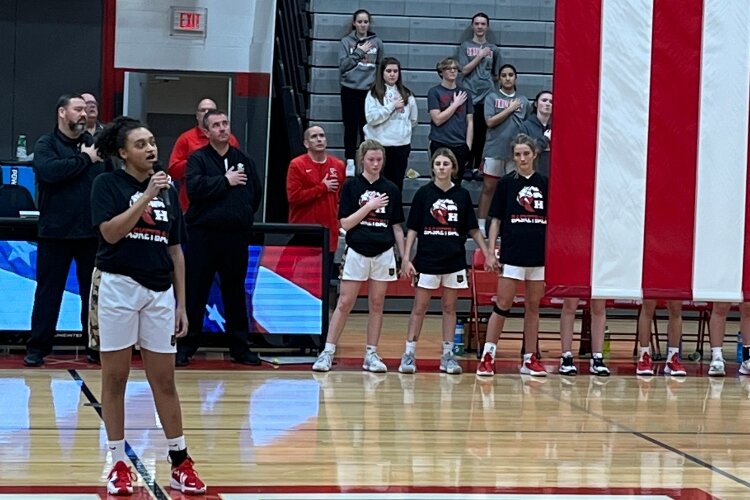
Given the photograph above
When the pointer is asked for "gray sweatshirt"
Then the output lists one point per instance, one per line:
(479, 82)
(499, 138)
(357, 68)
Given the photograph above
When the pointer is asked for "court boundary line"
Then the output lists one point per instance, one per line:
(644, 436)
(151, 483)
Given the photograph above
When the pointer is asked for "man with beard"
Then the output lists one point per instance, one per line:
(65, 167)
(224, 192)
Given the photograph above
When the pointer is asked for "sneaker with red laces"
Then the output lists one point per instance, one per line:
(645, 365)
(486, 367)
(675, 368)
(186, 480)
(533, 367)
(120, 479)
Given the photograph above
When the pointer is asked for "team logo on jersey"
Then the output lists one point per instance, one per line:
(444, 211)
(367, 196)
(530, 198)
(154, 212)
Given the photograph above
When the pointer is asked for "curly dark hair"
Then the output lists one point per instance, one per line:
(113, 137)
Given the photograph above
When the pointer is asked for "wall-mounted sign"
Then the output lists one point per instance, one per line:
(189, 21)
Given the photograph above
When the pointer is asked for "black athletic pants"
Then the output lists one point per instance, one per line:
(53, 260)
(353, 116)
(396, 162)
(208, 253)
(480, 135)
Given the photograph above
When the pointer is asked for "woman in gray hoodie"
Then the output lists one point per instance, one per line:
(359, 55)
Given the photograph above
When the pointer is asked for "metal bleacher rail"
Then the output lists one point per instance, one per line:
(290, 76)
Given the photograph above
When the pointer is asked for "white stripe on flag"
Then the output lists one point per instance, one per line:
(722, 151)
(619, 208)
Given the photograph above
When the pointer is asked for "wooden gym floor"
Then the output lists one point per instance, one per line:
(287, 433)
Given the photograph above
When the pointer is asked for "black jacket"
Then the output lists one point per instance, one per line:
(64, 178)
(214, 204)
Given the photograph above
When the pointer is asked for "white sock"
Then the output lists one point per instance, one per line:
(371, 348)
(597, 355)
(645, 350)
(672, 352)
(447, 347)
(717, 354)
(527, 356)
(176, 444)
(330, 348)
(117, 449)
(567, 354)
(411, 347)
(489, 348)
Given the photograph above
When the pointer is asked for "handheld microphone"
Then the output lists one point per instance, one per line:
(164, 194)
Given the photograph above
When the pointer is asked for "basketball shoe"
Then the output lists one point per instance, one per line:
(186, 480)
(674, 367)
(486, 367)
(533, 367)
(567, 366)
(717, 368)
(120, 480)
(645, 365)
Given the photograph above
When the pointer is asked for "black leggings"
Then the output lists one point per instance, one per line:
(480, 134)
(396, 161)
(353, 116)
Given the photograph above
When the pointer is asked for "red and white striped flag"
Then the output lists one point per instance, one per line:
(649, 167)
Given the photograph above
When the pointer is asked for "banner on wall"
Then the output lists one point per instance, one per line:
(648, 187)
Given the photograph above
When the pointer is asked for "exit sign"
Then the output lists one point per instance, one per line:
(189, 21)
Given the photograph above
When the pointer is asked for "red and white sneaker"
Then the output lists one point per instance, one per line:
(675, 368)
(120, 479)
(186, 480)
(486, 367)
(533, 367)
(645, 365)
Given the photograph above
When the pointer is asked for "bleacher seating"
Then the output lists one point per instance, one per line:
(419, 34)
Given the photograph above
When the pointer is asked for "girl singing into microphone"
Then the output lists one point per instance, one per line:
(138, 294)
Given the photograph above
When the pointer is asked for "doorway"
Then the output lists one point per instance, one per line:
(167, 101)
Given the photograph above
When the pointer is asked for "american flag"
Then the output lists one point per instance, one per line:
(649, 179)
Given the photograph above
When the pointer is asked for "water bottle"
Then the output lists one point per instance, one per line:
(607, 339)
(21, 148)
(739, 347)
(458, 339)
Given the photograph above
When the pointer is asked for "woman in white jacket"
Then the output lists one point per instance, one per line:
(391, 113)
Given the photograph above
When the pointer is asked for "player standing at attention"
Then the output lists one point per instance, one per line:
(441, 217)
(371, 213)
(519, 214)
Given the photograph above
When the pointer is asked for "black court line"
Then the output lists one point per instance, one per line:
(139, 466)
(654, 441)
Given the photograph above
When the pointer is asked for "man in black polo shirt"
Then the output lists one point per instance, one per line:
(224, 193)
(65, 166)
